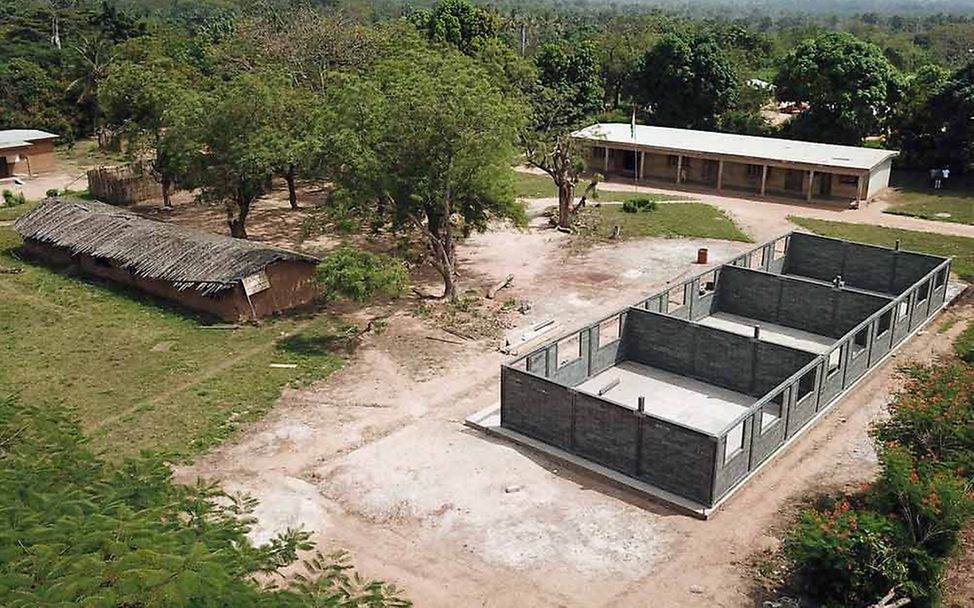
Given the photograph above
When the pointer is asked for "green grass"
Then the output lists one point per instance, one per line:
(138, 374)
(961, 248)
(964, 344)
(915, 197)
(11, 213)
(668, 220)
(529, 185)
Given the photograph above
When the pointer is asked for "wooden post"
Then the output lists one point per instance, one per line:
(679, 167)
(720, 174)
(811, 183)
(764, 178)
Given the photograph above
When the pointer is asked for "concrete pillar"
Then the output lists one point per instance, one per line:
(764, 178)
(679, 168)
(859, 193)
(642, 165)
(605, 168)
(811, 184)
(720, 174)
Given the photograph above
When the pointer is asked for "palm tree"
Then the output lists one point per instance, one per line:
(90, 61)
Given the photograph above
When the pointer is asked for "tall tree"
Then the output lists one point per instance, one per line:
(90, 62)
(849, 85)
(685, 80)
(429, 139)
(571, 72)
(941, 131)
(457, 22)
(237, 142)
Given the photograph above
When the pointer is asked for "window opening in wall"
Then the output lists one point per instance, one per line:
(885, 322)
(806, 385)
(707, 283)
(521, 364)
(860, 341)
(771, 412)
(756, 259)
(754, 170)
(672, 160)
(780, 248)
(734, 442)
(849, 180)
(569, 350)
(677, 297)
(903, 309)
(922, 292)
(940, 279)
(610, 330)
(835, 361)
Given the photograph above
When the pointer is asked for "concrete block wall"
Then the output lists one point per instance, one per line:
(537, 407)
(794, 302)
(592, 358)
(677, 459)
(735, 362)
(606, 433)
(863, 266)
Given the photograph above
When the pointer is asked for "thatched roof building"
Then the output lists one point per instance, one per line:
(231, 278)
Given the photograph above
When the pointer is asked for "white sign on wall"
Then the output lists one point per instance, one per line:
(256, 283)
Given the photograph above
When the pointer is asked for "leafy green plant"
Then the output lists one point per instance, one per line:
(13, 199)
(639, 204)
(80, 531)
(360, 275)
(52, 192)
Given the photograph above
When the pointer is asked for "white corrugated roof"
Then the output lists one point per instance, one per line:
(12, 137)
(728, 144)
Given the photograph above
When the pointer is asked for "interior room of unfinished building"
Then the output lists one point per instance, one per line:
(689, 391)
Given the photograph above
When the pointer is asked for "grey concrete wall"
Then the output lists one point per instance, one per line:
(606, 433)
(724, 359)
(677, 459)
(729, 472)
(863, 266)
(795, 302)
(536, 407)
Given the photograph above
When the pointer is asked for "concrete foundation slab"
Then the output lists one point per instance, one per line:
(673, 397)
(770, 332)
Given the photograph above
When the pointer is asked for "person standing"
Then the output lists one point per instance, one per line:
(933, 178)
(945, 175)
(938, 178)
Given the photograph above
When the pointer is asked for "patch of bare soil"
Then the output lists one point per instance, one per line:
(959, 580)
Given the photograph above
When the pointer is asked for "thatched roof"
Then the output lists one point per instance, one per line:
(190, 259)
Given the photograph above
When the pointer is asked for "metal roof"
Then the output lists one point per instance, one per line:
(11, 138)
(742, 146)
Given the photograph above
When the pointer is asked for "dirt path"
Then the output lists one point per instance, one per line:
(759, 218)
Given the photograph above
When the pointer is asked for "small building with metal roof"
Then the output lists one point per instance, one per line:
(759, 166)
(26, 152)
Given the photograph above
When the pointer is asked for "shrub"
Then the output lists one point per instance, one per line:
(52, 192)
(639, 204)
(11, 199)
(360, 275)
(845, 557)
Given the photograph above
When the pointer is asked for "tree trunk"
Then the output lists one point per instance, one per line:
(450, 257)
(237, 218)
(292, 194)
(566, 192)
(166, 192)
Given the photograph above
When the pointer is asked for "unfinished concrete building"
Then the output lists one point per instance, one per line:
(689, 391)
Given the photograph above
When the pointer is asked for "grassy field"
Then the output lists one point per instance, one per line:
(11, 213)
(140, 375)
(915, 197)
(961, 248)
(528, 185)
(667, 220)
